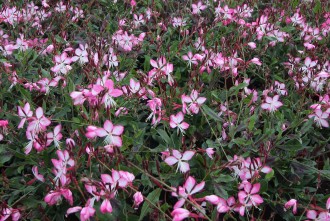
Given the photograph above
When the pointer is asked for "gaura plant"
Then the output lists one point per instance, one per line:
(164, 110)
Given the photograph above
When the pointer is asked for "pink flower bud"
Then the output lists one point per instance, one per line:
(138, 199)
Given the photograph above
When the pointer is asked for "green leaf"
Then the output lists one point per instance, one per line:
(5, 156)
(163, 134)
(146, 64)
(318, 7)
(307, 126)
(234, 90)
(252, 122)
(153, 197)
(211, 113)
(269, 175)
(241, 141)
(63, 112)
(25, 94)
(293, 145)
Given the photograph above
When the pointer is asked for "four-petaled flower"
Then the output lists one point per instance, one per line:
(272, 103)
(197, 9)
(189, 188)
(249, 195)
(177, 121)
(180, 159)
(111, 133)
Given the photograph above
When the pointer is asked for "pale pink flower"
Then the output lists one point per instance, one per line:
(106, 206)
(291, 203)
(181, 159)
(210, 151)
(189, 188)
(272, 103)
(111, 133)
(178, 22)
(111, 60)
(252, 45)
(138, 20)
(111, 93)
(62, 64)
(179, 214)
(192, 59)
(194, 102)
(249, 195)
(55, 136)
(5, 213)
(309, 65)
(309, 46)
(138, 199)
(318, 216)
(255, 61)
(115, 180)
(134, 86)
(223, 206)
(197, 9)
(177, 121)
(53, 197)
(73, 210)
(81, 54)
(60, 7)
(86, 213)
(38, 123)
(320, 118)
(8, 49)
(36, 174)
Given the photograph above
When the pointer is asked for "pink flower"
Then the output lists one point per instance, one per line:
(134, 86)
(4, 123)
(24, 114)
(223, 206)
(38, 123)
(210, 151)
(78, 97)
(197, 9)
(138, 199)
(180, 159)
(91, 132)
(106, 206)
(318, 216)
(249, 196)
(55, 136)
(255, 61)
(194, 102)
(189, 188)
(86, 213)
(178, 22)
(180, 214)
(73, 210)
(115, 180)
(192, 59)
(111, 133)
(110, 94)
(291, 203)
(38, 176)
(62, 64)
(308, 65)
(252, 45)
(5, 213)
(272, 103)
(177, 121)
(320, 118)
(81, 54)
(53, 197)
